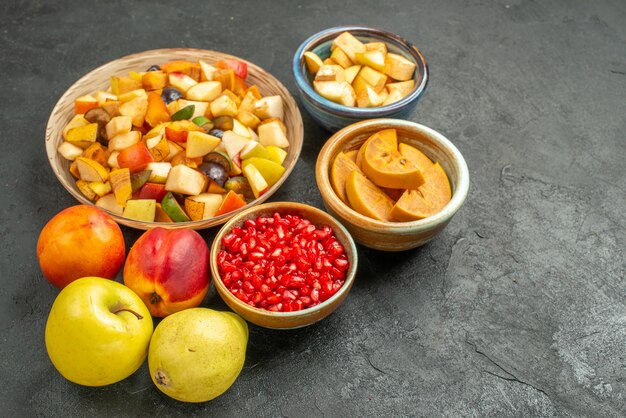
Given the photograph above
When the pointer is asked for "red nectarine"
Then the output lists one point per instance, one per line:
(80, 241)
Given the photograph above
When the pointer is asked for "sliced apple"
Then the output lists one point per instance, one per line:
(269, 107)
(233, 143)
(102, 97)
(273, 133)
(207, 70)
(368, 98)
(175, 149)
(341, 58)
(118, 125)
(278, 154)
(109, 203)
(223, 105)
(256, 180)
(181, 81)
(351, 73)
(313, 61)
(140, 209)
(185, 180)
(254, 149)
(121, 85)
(112, 160)
(205, 91)
(375, 79)
(247, 118)
(330, 73)
(404, 87)
(122, 141)
(248, 102)
(349, 44)
(271, 171)
(173, 209)
(69, 151)
(200, 144)
(158, 171)
(398, 67)
(134, 94)
(376, 46)
(203, 206)
(136, 109)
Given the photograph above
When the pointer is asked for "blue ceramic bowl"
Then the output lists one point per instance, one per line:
(334, 116)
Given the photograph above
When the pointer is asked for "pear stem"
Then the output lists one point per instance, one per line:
(128, 310)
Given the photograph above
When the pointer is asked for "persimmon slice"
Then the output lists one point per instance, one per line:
(427, 200)
(386, 166)
(366, 198)
(416, 156)
(342, 166)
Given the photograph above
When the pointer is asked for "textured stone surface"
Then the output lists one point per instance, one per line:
(516, 309)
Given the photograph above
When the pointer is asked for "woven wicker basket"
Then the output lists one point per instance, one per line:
(99, 79)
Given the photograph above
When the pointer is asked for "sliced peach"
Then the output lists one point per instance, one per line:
(339, 171)
(366, 198)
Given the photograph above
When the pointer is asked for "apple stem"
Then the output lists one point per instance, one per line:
(128, 310)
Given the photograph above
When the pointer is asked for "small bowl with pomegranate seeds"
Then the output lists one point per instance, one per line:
(283, 265)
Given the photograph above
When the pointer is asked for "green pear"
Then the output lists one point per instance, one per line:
(196, 354)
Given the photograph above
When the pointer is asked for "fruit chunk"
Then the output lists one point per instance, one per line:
(118, 125)
(109, 203)
(125, 140)
(90, 170)
(273, 133)
(340, 170)
(135, 109)
(77, 120)
(202, 206)
(69, 151)
(374, 59)
(159, 171)
(83, 136)
(349, 44)
(200, 144)
(232, 201)
(271, 171)
(135, 157)
(269, 107)
(120, 183)
(173, 209)
(256, 180)
(313, 61)
(140, 209)
(205, 91)
(157, 110)
(366, 198)
(84, 103)
(368, 98)
(385, 166)
(185, 180)
(121, 85)
(398, 67)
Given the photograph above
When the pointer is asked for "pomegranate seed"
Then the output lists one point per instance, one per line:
(282, 263)
(341, 263)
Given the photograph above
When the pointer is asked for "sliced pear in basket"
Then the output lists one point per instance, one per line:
(90, 170)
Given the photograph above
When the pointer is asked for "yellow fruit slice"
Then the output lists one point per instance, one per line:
(342, 167)
(386, 167)
(427, 200)
(366, 198)
(416, 156)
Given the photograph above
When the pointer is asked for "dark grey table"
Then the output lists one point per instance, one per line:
(516, 309)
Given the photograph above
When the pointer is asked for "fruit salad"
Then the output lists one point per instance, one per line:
(361, 74)
(179, 141)
(390, 181)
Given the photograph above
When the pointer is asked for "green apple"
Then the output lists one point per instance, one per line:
(97, 332)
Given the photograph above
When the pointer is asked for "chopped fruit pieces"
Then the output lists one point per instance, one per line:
(366, 68)
(164, 144)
